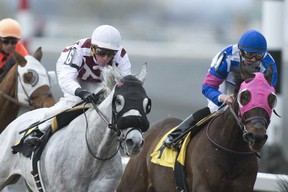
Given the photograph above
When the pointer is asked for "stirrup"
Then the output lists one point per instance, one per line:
(169, 141)
(34, 138)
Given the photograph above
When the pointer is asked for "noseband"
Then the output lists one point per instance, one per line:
(31, 99)
(241, 122)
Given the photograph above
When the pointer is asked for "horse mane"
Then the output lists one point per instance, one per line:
(111, 76)
(238, 82)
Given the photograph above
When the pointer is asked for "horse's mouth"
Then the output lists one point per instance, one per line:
(133, 152)
(256, 141)
(131, 148)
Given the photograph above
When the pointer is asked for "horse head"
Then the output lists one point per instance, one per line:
(130, 105)
(255, 101)
(33, 81)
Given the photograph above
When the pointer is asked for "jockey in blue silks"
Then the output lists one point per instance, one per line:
(219, 83)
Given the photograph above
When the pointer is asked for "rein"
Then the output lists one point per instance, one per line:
(110, 126)
(12, 99)
(224, 148)
(47, 95)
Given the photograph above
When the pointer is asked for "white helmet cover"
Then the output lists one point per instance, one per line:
(107, 37)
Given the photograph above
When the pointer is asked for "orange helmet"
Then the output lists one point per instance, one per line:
(10, 28)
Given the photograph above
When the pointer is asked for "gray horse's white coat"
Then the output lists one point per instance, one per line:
(66, 163)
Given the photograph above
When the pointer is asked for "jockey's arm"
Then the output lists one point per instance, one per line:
(67, 74)
(214, 78)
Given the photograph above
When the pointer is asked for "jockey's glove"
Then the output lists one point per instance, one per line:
(85, 95)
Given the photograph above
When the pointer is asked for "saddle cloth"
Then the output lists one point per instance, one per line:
(165, 156)
(168, 157)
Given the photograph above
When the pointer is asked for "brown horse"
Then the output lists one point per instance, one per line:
(222, 156)
(26, 84)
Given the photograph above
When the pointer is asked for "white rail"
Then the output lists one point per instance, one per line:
(264, 183)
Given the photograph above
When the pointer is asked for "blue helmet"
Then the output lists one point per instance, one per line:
(253, 41)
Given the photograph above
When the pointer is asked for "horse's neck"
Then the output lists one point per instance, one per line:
(8, 87)
(9, 109)
(228, 133)
(9, 83)
(99, 134)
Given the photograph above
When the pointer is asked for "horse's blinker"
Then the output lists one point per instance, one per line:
(133, 113)
(259, 88)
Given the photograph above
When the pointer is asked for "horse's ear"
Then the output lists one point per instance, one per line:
(142, 75)
(38, 54)
(246, 72)
(20, 60)
(269, 74)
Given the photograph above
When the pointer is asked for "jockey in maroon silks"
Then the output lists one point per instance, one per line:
(79, 70)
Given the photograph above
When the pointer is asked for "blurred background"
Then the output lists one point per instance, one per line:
(177, 38)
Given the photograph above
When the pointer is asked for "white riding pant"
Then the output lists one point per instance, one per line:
(63, 104)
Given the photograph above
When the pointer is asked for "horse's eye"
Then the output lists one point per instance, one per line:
(272, 100)
(245, 97)
(119, 102)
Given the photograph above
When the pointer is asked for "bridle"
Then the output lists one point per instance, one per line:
(32, 98)
(120, 134)
(242, 128)
(29, 99)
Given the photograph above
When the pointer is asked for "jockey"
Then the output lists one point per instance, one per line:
(10, 34)
(219, 84)
(79, 70)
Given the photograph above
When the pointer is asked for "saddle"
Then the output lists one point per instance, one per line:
(175, 157)
(34, 152)
(58, 121)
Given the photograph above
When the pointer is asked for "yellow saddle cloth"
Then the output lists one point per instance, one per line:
(165, 156)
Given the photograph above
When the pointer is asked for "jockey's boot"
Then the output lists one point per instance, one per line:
(184, 125)
(34, 138)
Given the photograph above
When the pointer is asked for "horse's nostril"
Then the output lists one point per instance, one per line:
(249, 137)
(129, 142)
(256, 138)
(142, 143)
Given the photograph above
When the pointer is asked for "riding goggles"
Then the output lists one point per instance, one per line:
(9, 40)
(250, 55)
(102, 52)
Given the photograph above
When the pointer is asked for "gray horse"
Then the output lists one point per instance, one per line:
(84, 155)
